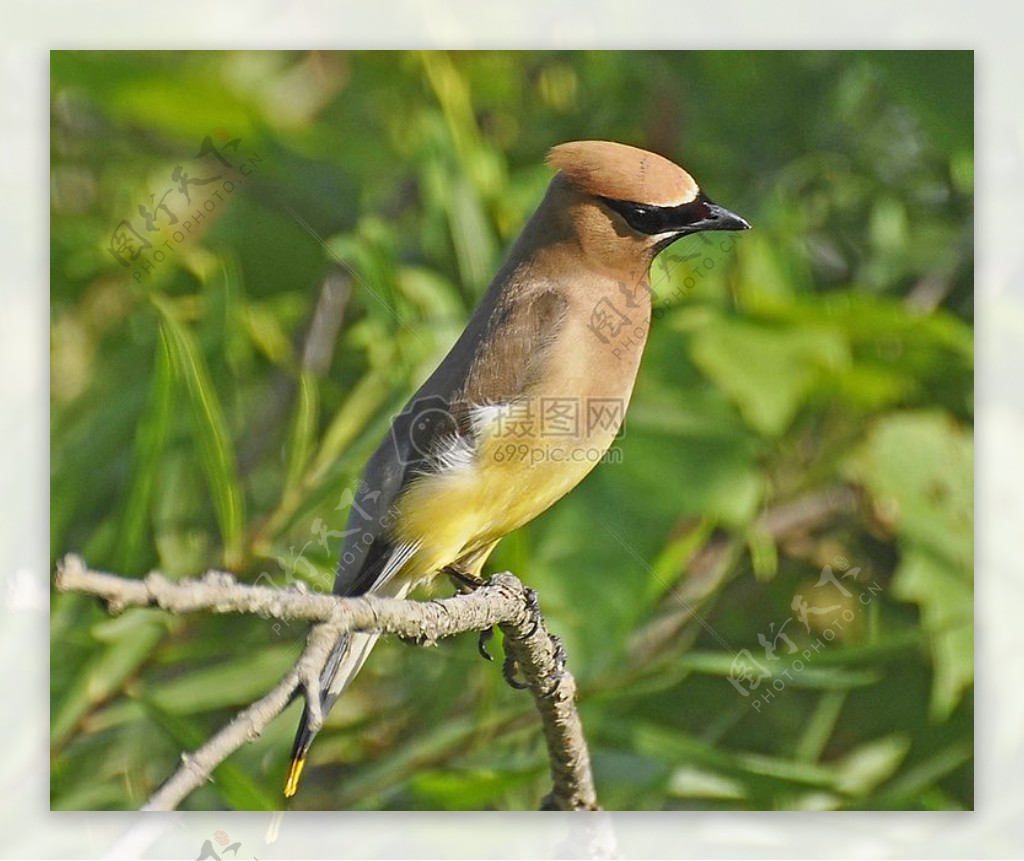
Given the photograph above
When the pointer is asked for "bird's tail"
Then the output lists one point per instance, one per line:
(346, 659)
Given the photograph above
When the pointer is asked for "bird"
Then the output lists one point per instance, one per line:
(530, 396)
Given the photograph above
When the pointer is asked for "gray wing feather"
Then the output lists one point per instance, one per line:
(493, 361)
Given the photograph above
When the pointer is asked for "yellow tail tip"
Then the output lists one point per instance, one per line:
(291, 784)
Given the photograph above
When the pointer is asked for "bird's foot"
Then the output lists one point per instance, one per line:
(463, 581)
(511, 670)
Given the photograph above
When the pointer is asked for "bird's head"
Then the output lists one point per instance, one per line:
(625, 204)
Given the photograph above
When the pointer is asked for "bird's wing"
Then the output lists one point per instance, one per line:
(503, 349)
(514, 352)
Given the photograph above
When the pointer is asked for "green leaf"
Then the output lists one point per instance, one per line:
(820, 727)
(938, 87)
(768, 370)
(676, 746)
(918, 468)
(470, 789)
(923, 774)
(693, 782)
(946, 599)
(193, 103)
(865, 767)
(394, 768)
(304, 426)
(216, 450)
(149, 444)
(810, 677)
(764, 555)
(266, 332)
(474, 242)
(764, 274)
(131, 639)
(239, 790)
(351, 418)
(433, 294)
(674, 558)
(237, 682)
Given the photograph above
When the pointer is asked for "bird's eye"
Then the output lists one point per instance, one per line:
(643, 219)
(654, 220)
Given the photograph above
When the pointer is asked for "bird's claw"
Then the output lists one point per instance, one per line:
(561, 658)
(533, 610)
(486, 635)
(510, 670)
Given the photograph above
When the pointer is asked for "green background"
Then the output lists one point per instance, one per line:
(805, 401)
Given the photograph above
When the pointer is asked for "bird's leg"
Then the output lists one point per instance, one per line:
(466, 582)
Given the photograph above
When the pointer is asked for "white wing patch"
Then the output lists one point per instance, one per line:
(484, 417)
(455, 453)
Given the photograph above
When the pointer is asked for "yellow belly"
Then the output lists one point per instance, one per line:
(516, 474)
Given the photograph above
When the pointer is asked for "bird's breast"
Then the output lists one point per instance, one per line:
(532, 449)
(527, 455)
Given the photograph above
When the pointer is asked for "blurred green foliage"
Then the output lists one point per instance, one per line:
(215, 409)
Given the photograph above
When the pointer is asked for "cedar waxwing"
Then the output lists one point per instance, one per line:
(531, 395)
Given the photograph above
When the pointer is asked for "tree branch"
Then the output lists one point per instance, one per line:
(502, 601)
(541, 658)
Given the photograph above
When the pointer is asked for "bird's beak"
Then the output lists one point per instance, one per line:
(719, 218)
(713, 217)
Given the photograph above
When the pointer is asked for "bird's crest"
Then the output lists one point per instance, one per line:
(621, 172)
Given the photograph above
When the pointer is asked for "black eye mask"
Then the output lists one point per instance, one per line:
(699, 214)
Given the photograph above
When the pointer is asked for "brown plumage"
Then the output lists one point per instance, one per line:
(474, 454)
(606, 169)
